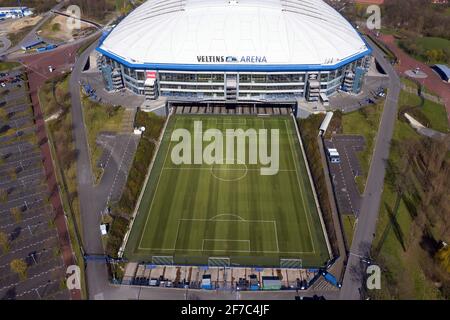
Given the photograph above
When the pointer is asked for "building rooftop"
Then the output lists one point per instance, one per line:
(244, 32)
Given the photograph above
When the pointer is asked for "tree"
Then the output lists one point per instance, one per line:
(4, 242)
(20, 267)
(3, 114)
(443, 256)
(3, 195)
(56, 27)
(17, 214)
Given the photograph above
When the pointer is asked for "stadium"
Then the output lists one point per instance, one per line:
(234, 52)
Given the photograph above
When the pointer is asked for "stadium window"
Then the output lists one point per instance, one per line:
(204, 77)
(140, 75)
(217, 78)
(259, 78)
(244, 78)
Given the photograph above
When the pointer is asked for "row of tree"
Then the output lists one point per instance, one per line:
(420, 16)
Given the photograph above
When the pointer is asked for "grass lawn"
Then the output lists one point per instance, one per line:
(194, 211)
(431, 114)
(430, 43)
(349, 222)
(99, 118)
(402, 273)
(419, 46)
(389, 31)
(364, 122)
(437, 116)
(16, 37)
(5, 66)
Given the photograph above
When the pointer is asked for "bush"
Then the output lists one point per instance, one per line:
(310, 128)
(56, 27)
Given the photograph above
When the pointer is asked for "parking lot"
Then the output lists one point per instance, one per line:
(344, 172)
(116, 160)
(26, 216)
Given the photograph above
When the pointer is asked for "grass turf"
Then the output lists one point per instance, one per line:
(193, 212)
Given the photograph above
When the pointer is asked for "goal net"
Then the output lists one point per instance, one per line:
(218, 262)
(291, 263)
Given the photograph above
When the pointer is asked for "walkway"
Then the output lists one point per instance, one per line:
(433, 82)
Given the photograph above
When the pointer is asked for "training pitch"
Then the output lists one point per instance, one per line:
(192, 212)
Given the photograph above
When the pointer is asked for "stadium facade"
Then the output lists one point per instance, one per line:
(267, 51)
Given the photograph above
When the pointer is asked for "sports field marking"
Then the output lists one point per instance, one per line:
(243, 176)
(214, 219)
(225, 241)
(221, 169)
(291, 145)
(253, 251)
(218, 218)
(276, 235)
(227, 215)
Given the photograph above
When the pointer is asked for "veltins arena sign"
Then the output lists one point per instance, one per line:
(231, 59)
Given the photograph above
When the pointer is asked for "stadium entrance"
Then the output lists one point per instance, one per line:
(233, 108)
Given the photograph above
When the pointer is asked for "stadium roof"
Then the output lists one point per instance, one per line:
(243, 34)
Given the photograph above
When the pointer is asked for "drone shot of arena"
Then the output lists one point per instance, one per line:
(224, 150)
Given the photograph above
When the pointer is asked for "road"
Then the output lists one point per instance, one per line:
(370, 206)
(5, 44)
(92, 199)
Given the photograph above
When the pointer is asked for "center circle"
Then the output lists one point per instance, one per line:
(229, 172)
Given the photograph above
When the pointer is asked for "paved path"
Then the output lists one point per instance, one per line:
(433, 82)
(421, 129)
(370, 206)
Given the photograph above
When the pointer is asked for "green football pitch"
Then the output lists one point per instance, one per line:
(192, 212)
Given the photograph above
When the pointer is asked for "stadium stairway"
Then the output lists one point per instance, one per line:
(322, 285)
(127, 125)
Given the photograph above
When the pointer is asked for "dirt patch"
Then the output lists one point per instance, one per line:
(14, 25)
(58, 28)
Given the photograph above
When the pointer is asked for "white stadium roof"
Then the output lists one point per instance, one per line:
(244, 32)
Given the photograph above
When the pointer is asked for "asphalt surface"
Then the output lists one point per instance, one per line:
(365, 229)
(344, 173)
(6, 44)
